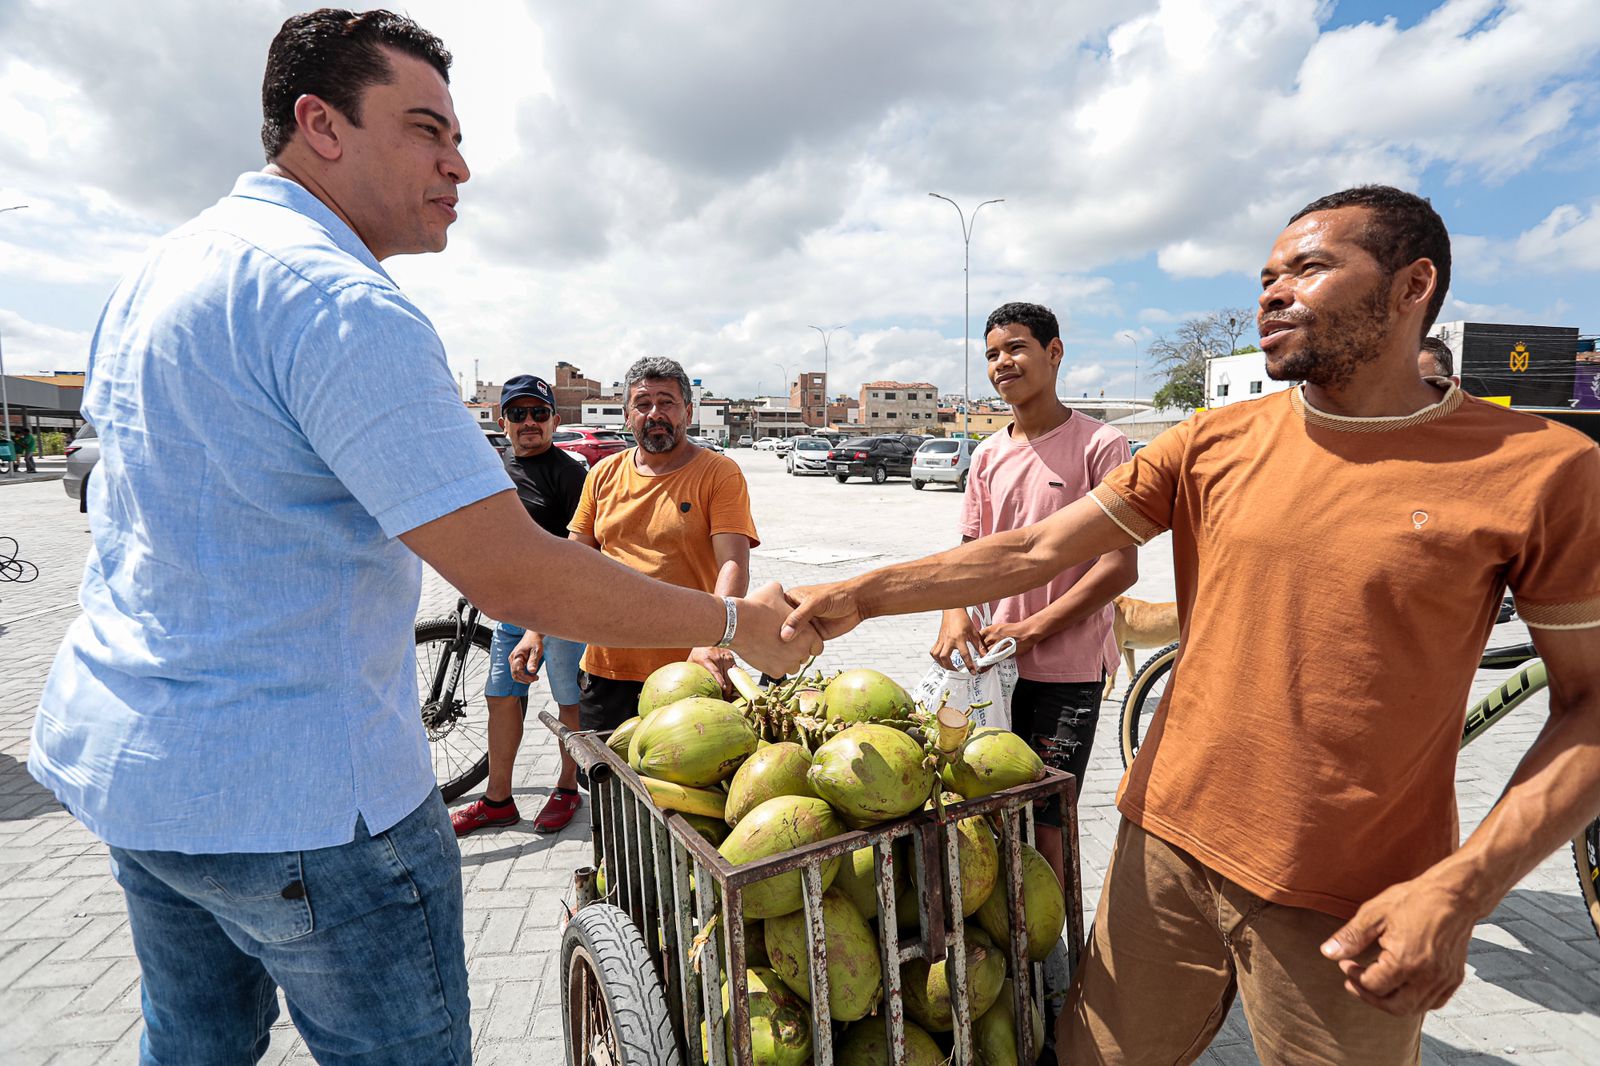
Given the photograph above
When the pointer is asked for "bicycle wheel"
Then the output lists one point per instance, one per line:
(456, 719)
(1143, 697)
(1586, 858)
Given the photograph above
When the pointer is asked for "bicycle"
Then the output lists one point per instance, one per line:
(1149, 684)
(452, 668)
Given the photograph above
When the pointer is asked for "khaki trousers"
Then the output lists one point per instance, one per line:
(1174, 942)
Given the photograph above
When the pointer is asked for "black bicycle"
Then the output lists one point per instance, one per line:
(452, 668)
(1149, 685)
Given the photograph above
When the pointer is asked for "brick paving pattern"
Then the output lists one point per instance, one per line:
(69, 983)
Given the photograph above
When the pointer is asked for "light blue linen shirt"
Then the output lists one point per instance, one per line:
(273, 412)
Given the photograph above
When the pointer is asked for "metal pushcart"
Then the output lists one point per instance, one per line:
(642, 966)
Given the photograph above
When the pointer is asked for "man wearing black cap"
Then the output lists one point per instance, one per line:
(549, 483)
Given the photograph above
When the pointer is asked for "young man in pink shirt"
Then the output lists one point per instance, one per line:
(1048, 457)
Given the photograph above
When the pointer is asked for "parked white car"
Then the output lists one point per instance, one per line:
(945, 460)
(767, 444)
(808, 456)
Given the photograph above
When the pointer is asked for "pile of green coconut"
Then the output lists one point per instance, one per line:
(798, 763)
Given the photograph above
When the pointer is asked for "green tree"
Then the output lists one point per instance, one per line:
(1182, 357)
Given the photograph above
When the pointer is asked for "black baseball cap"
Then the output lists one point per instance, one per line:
(527, 385)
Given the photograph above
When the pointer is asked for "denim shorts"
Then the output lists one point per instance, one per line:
(366, 940)
(559, 667)
(1058, 720)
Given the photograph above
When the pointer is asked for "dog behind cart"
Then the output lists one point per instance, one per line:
(642, 968)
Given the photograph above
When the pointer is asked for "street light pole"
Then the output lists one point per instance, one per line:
(5, 401)
(785, 371)
(826, 333)
(1134, 341)
(966, 301)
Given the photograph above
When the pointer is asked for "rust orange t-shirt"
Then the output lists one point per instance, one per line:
(661, 527)
(1337, 580)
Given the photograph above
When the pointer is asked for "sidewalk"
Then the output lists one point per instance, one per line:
(48, 468)
(68, 980)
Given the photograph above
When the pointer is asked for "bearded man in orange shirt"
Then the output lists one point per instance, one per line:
(1289, 828)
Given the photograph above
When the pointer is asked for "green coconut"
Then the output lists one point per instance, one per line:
(991, 760)
(780, 1022)
(863, 695)
(865, 1044)
(855, 969)
(775, 770)
(979, 857)
(1043, 904)
(859, 880)
(622, 736)
(673, 682)
(927, 989)
(994, 1035)
(778, 825)
(871, 773)
(713, 829)
(695, 742)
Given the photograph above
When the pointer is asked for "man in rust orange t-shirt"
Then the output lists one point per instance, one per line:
(668, 509)
(1289, 827)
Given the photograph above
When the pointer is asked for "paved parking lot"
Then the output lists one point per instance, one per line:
(69, 983)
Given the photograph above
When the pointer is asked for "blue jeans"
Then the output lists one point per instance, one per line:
(364, 938)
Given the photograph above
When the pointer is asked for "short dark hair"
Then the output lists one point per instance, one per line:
(1040, 320)
(1403, 228)
(335, 54)
(657, 368)
(1442, 355)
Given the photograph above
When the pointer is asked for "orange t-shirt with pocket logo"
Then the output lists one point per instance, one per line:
(661, 527)
(1337, 581)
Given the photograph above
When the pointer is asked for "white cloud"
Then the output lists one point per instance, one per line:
(1567, 239)
(32, 348)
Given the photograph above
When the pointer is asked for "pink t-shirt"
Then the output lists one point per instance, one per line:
(1015, 484)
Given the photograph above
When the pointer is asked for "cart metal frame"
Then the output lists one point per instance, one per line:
(672, 883)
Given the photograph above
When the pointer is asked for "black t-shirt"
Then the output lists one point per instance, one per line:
(549, 485)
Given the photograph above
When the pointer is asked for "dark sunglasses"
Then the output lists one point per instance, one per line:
(515, 415)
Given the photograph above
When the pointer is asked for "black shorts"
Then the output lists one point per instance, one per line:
(1057, 719)
(604, 704)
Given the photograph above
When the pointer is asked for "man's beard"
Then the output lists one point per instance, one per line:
(1333, 346)
(655, 445)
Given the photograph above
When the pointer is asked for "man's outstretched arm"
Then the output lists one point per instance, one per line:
(516, 572)
(1000, 565)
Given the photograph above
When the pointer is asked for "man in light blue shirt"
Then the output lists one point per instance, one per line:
(235, 713)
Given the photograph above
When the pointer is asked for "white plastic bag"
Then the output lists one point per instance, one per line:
(985, 687)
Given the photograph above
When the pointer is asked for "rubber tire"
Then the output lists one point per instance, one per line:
(841, 478)
(961, 482)
(83, 494)
(636, 1005)
(458, 769)
(1135, 713)
(880, 474)
(1586, 860)
(917, 484)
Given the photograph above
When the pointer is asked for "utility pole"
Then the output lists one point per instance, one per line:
(5, 401)
(826, 333)
(966, 287)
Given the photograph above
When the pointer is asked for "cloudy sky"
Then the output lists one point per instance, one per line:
(706, 179)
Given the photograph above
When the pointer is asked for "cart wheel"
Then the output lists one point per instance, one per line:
(615, 1009)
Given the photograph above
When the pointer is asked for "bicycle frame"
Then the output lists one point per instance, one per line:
(1511, 694)
(441, 694)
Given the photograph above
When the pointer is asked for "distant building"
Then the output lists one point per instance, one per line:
(572, 389)
(899, 406)
(809, 393)
(844, 411)
(1230, 378)
(1537, 366)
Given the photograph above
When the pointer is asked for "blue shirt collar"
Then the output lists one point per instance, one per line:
(269, 188)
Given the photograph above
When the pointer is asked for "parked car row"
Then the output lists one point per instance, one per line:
(882, 457)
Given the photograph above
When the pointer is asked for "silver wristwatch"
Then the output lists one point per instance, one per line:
(732, 627)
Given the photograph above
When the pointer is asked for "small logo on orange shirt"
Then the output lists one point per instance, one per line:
(1419, 519)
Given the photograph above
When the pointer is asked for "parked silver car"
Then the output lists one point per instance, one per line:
(82, 453)
(943, 460)
(809, 455)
